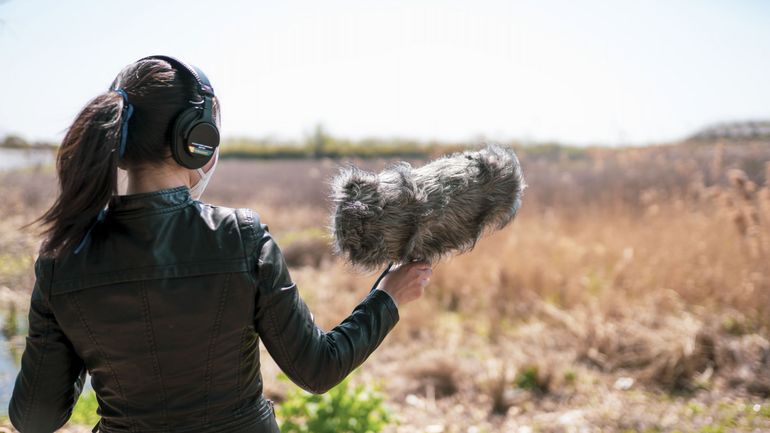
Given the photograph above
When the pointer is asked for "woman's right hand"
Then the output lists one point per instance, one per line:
(407, 282)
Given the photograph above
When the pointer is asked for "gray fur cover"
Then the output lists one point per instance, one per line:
(405, 213)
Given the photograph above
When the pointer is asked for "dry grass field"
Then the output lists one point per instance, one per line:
(632, 293)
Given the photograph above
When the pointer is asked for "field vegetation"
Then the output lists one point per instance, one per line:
(632, 293)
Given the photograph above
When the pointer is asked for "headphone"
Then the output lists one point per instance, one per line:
(195, 135)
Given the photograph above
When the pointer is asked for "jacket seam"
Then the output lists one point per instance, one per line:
(36, 371)
(248, 239)
(232, 424)
(274, 326)
(76, 305)
(147, 273)
(254, 262)
(243, 229)
(52, 267)
(241, 344)
(153, 267)
(285, 353)
(154, 351)
(128, 216)
(212, 342)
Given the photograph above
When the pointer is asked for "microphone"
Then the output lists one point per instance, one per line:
(404, 214)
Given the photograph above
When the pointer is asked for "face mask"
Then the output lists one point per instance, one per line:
(197, 190)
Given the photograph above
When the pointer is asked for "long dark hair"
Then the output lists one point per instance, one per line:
(88, 157)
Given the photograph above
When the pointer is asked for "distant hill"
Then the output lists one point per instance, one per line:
(748, 130)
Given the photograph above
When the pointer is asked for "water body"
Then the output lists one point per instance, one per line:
(8, 372)
(12, 159)
(9, 368)
(10, 352)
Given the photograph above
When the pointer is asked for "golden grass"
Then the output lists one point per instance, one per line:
(633, 287)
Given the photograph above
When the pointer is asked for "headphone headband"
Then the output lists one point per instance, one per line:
(204, 85)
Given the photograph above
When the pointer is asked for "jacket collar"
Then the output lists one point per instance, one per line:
(150, 202)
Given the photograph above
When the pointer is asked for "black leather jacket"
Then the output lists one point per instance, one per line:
(164, 308)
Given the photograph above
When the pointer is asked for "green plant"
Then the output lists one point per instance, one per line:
(344, 409)
(712, 429)
(570, 377)
(85, 409)
(531, 378)
(11, 323)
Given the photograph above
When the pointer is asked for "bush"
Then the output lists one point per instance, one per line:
(531, 378)
(85, 409)
(344, 409)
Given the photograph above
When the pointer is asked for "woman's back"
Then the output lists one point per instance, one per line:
(160, 306)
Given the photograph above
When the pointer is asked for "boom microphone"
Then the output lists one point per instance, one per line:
(404, 214)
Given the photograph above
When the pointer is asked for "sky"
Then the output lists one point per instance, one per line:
(577, 72)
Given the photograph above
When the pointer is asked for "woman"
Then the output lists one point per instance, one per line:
(162, 298)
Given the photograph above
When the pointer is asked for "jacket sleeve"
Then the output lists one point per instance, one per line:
(52, 375)
(313, 359)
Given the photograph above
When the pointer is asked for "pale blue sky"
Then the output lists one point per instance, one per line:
(582, 72)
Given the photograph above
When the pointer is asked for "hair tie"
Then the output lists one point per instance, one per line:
(128, 110)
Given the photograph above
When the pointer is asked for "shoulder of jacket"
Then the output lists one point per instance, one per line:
(244, 217)
(255, 232)
(44, 266)
(249, 219)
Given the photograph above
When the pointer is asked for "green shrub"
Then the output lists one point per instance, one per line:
(531, 378)
(10, 326)
(85, 409)
(344, 409)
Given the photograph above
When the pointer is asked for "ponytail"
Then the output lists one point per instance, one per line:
(87, 166)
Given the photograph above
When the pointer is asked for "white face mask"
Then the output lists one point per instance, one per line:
(196, 191)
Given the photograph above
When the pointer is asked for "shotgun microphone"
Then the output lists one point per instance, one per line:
(403, 213)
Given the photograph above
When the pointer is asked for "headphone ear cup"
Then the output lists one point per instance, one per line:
(191, 134)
